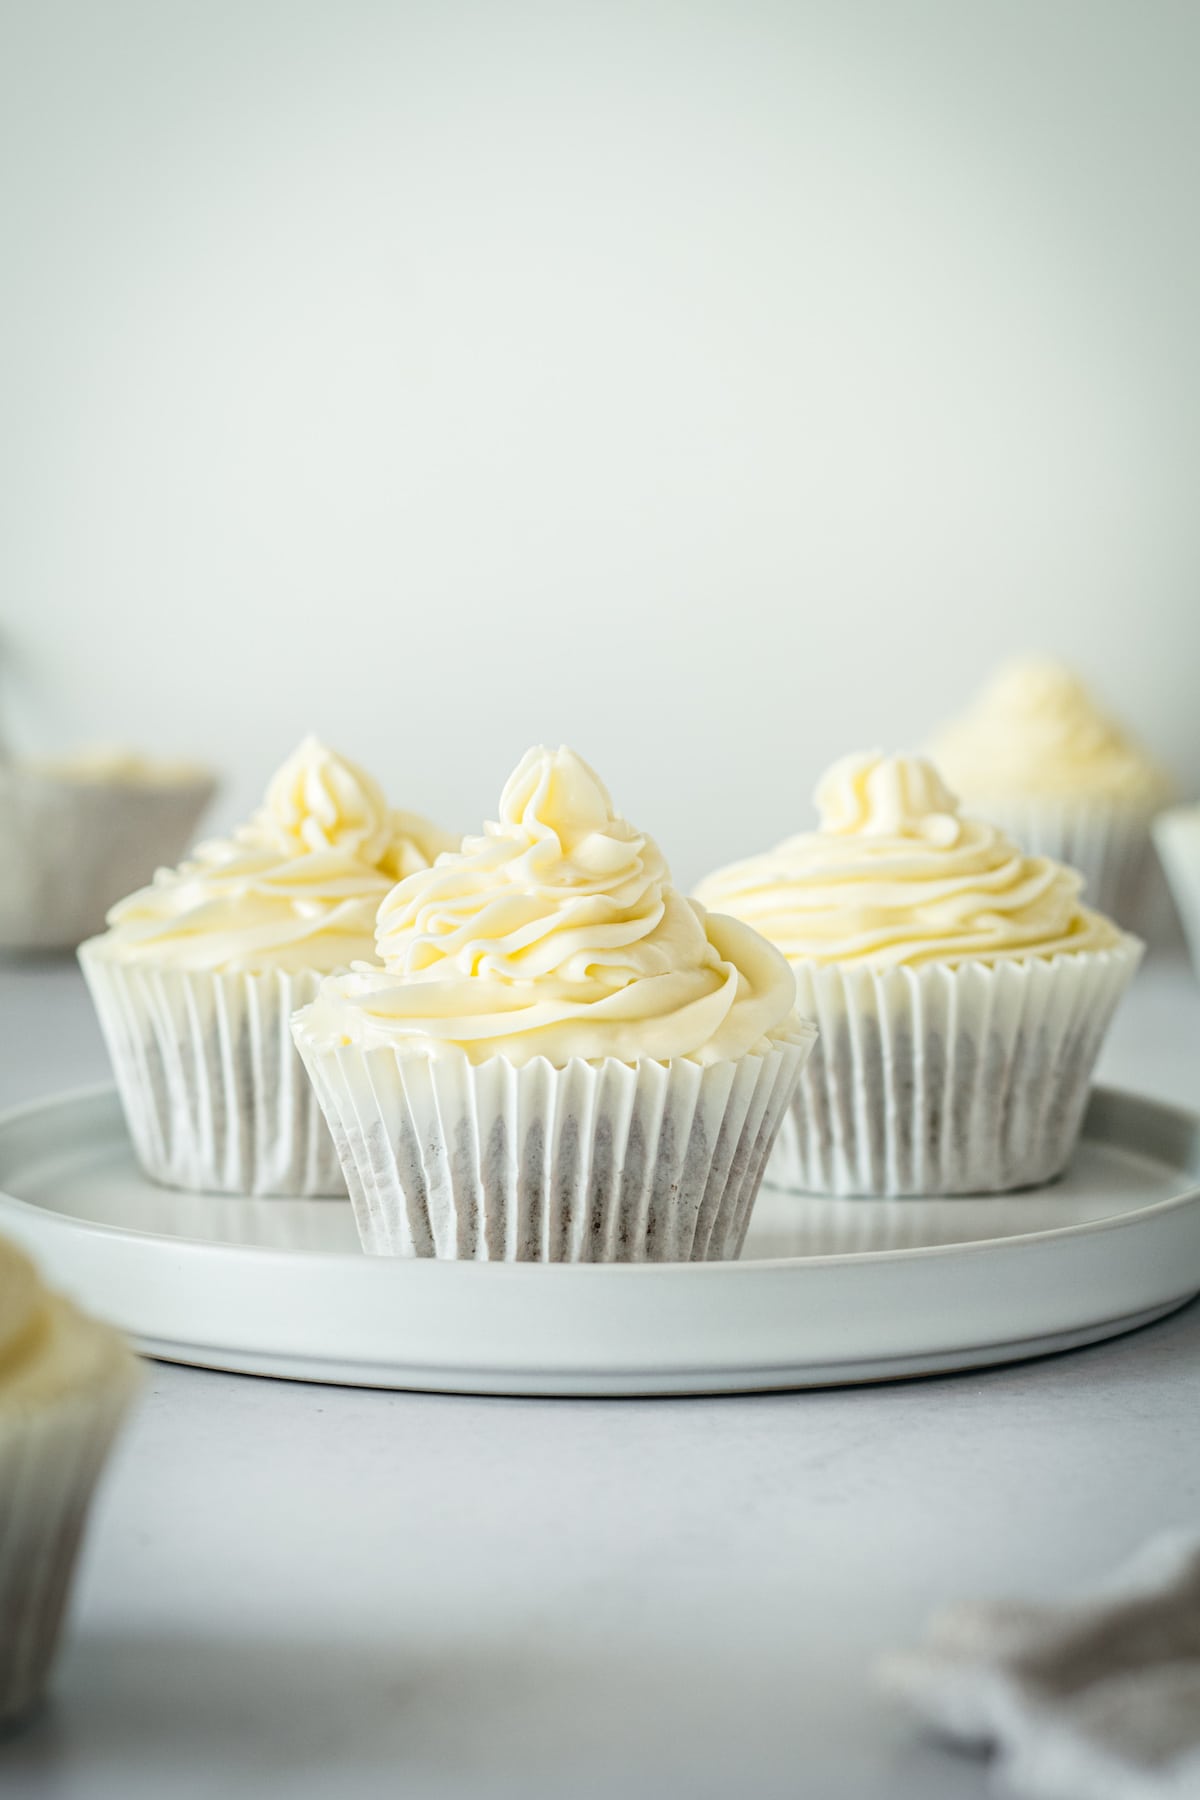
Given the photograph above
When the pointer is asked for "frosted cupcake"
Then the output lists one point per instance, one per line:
(1038, 756)
(65, 1384)
(77, 832)
(198, 975)
(1177, 837)
(960, 989)
(561, 1058)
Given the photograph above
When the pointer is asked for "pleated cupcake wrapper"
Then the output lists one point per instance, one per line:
(214, 1093)
(50, 1460)
(594, 1162)
(1107, 842)
(69, 849)
(943, 1080)
(1177, 837)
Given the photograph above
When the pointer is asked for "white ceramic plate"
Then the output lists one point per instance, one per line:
(827, 1291)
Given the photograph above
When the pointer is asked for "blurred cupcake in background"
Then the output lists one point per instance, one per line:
(561, 1058)
(66, 1383)
(960, 989)
(198, 974)
(77, 832)
(1038, 757)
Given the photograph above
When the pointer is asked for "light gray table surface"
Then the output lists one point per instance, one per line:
(302, 1591)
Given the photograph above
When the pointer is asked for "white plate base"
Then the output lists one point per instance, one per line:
(828, 1291)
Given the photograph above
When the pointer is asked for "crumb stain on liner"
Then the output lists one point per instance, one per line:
(592, 1162)
(214, 1094)
(946, 1080)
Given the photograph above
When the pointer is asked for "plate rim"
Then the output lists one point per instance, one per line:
(95, 1092)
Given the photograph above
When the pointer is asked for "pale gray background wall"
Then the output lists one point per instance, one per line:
(716, 386)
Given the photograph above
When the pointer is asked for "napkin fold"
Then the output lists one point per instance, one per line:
(1097, 1699)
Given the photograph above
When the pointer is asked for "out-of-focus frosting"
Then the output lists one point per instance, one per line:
(103, 764)
(47, 1347)
(1035, 730)
(22, 1304)
(296, 888)
(557, 933)
(895, 874)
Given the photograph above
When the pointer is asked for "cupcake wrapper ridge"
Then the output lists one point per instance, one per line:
(939, 1080)
(214, 1094)
(593, 1162)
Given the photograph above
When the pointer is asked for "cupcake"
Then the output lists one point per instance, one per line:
(1177, 837)
(197, 977)
(77, 832)
(960, 989)
(65, 1384)
(1038, 756)
(561, 1058)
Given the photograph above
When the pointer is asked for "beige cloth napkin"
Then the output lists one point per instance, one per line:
(1094, 1700)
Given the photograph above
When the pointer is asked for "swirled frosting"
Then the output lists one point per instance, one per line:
(557, 933)
(896, 874)
(1035, 730)
(297, 887)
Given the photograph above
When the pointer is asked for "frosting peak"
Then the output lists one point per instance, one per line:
(554, 793)
(887, 796)
(297, 887)
(557, 933)
(558, 881)
(321, 801)
(1035, 730)
(896, 874)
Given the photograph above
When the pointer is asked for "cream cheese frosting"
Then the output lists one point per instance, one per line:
(22, 1304)
(1035, 730)
(298, 887)
(103, 765)
(47, 1348)
(557, 933)
(896, 874)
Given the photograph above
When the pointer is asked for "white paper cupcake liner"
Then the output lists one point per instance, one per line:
(214, 1094)
(51, 1455)
(1177, 837)
(70, 849)
(939, 1080)
(594, 1162)
(1109, 843)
